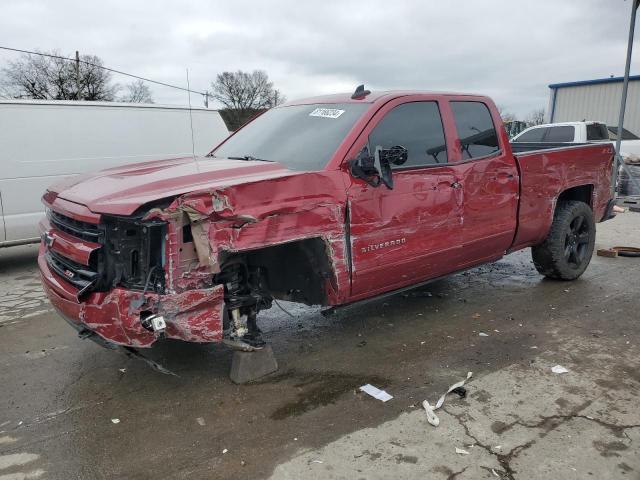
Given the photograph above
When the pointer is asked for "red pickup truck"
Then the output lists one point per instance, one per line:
(324, 201)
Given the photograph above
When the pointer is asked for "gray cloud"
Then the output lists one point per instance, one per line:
(510, 50)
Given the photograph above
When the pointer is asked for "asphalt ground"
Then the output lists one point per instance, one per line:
(60, 395)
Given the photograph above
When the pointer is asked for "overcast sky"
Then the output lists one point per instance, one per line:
(510, 50)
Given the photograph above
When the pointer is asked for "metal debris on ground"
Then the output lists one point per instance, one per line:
(432, 418)
(559, 369)
(461, 391)
(376, 392)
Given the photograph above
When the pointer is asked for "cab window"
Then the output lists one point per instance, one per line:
(416, 126)
(477, 133)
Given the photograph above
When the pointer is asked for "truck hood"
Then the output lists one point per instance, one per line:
(122, 190)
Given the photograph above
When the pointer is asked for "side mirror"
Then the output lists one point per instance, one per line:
(376, 169)
(363, 167)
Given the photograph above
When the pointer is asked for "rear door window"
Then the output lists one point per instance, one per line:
(597, 131)
(563, 133)
(477, 133)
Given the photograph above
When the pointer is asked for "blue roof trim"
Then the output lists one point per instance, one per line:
(593, 82)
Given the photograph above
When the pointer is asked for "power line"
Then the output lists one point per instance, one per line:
(105, 68)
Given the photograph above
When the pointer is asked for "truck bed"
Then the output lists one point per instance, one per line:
(548, 171)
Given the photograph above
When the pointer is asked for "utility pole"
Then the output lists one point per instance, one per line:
(206, 99)
(78, 96)
(617, 159)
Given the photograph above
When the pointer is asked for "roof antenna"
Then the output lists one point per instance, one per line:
(360, 93)
(193, 143)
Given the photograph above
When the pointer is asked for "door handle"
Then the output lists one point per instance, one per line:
(456, 185)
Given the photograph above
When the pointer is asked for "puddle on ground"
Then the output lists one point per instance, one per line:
(319, 389)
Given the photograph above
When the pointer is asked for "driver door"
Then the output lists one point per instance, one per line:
(412, 232)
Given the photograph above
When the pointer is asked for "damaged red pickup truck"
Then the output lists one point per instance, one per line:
(324, 201)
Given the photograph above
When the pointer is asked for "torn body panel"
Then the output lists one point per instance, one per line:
(193, 315)
(292, 220)
(258, 215)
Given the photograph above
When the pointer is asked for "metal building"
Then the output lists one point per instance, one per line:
(595, 100)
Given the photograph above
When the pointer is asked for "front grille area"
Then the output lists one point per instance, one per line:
(130, 255)
(84, 230)
(80, 276)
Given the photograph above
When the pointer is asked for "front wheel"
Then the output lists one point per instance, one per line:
(567, 250)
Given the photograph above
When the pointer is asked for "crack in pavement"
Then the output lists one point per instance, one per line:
(454, 475)
(505, 459)
(547, 423)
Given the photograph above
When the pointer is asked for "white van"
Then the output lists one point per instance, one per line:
(44, 141)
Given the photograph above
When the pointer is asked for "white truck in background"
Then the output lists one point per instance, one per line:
(42, 142)
(580, 132)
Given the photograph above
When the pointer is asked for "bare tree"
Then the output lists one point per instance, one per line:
(244, 94)
(505, 115)
(137, 92)
(51, 78)
(536, 117)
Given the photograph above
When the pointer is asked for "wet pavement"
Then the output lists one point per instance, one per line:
(70, 409)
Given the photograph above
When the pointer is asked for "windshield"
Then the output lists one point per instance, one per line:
(301, 137)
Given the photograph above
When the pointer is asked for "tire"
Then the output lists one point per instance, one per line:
(567, 250)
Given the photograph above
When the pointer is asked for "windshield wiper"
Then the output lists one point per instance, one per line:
(250, 158)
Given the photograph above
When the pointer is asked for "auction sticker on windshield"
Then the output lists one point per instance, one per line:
(326, 112)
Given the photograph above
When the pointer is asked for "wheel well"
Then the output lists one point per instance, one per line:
(295, 271)
(582, 193)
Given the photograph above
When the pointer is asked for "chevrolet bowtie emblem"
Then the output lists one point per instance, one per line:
(48, 239)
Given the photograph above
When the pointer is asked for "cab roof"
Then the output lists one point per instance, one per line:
(374, 97)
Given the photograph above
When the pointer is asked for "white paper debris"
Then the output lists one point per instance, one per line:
(200, 421)
(115, 420)
(225, 451)
(122, 370)
(317, 461)
(376, 392)
(559, 369)
(461, 451)
(432, 418)
(482, 334)
(495, 474)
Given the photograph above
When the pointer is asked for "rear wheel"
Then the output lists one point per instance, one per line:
(567, 250)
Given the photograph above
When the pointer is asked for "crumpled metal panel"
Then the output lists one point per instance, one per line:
(257, 215)
(192, 316)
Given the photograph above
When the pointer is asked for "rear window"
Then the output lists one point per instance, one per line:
(564, 133)
(476, 130)
(597, 131)
(534, 135)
